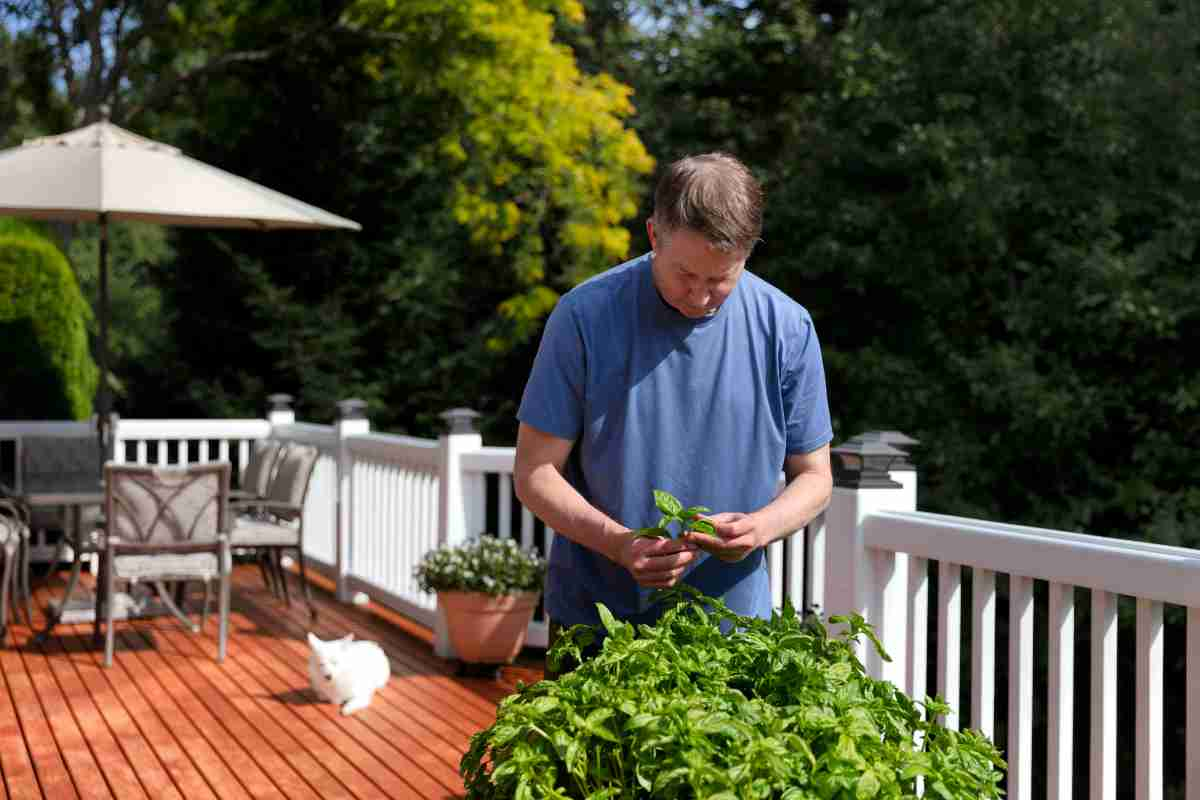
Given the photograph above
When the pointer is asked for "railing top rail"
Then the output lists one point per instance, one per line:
(307, 433)
(15, 429)
(490, 459)
(394, 448)
(1154, 572)
(193, 429)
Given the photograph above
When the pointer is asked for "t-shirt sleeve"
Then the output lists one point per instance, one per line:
(553, 399)
(805, 402)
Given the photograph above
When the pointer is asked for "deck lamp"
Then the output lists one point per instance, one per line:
(864, 463)
(895, 439)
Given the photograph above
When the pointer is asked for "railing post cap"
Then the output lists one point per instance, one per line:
(352, 408)
(860, 463)
(280, 401)
(897, 439)
(894, 438)
(460, 420)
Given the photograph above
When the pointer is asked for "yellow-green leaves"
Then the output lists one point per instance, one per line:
(543, 169)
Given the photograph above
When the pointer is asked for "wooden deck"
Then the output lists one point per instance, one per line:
(168, 721)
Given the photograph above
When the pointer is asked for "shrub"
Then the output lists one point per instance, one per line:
(489, 565)
(775, 709)
(49, 372)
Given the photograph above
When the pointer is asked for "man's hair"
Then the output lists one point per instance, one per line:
(713, 194)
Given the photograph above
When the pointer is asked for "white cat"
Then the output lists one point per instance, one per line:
(347, 672)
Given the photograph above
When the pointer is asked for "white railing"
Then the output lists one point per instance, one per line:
(378, 502)
(167, 442)
(394, 486)
(891, 554)
(495, 465)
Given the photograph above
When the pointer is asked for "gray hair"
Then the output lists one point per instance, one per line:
(713, 194)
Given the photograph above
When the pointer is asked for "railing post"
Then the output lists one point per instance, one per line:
(114, 449)
(857, 580)
(453, 500)
(352, 421)
(280, 412)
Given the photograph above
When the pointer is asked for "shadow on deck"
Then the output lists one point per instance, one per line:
(168, 721)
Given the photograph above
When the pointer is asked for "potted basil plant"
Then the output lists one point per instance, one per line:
(488, 589)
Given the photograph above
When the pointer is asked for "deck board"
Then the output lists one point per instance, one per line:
(167, 721)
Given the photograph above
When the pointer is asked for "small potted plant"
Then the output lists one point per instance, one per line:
(488, 589)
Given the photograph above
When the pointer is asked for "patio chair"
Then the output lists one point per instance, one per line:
(14, 580)
(165, 524)
(15, 583)
(60, 460)
(254, 483)
(255, 477)
(277, 523)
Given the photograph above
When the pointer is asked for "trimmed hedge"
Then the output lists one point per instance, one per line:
(48, 369)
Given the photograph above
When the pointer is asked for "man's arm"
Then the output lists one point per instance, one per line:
(809, 487)
(541, 487)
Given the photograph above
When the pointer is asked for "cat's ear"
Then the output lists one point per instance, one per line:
(314, 642)
(349, 637)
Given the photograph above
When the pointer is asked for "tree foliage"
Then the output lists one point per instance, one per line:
(49, 373)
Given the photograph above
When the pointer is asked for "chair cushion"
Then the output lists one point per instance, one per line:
(251, 532)
(184, 566)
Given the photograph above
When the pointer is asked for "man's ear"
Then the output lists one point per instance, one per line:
(650, 232)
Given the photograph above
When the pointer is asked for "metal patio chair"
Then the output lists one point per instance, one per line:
(277, 523)
(164, 525)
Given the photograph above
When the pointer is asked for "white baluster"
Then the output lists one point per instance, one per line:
(505, 511)
(1103, 745)
(1148, 772)
(890, 614)
(1191, 788)
(526, 528)
(775, 572)
(1060, 692)
(983, 651)
(796, 553)
(918, 626)
(949, 644)
(1020, 688)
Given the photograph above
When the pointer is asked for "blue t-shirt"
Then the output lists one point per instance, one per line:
(706, 409)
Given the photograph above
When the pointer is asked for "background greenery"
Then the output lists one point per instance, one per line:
(987, 205)
(48, 372)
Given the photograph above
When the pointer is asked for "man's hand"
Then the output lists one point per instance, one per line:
(656, 563)
(737, 536)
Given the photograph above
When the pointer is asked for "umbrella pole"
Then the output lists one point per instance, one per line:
(103, 406)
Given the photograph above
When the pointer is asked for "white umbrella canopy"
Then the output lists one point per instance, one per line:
(101, 172)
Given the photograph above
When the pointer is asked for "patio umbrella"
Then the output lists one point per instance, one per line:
(101, 172)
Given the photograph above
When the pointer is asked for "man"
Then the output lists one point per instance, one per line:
(678, 370)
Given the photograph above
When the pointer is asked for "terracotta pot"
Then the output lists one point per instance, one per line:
(486, 629)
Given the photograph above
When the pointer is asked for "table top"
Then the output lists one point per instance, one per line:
(63, 490)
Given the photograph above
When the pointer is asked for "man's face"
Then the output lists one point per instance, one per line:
(692, 275)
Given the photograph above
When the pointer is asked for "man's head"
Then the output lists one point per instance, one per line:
(707, 218)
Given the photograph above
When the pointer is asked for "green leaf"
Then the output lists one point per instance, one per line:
(608, 620)
(667, 503)
(868, 786)
(702, 526)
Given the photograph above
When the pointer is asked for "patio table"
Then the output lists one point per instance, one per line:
(71, 492)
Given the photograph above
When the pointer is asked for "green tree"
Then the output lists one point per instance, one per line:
(489, 175)
(49, 373)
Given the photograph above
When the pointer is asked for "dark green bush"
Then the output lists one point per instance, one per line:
(48, 369)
